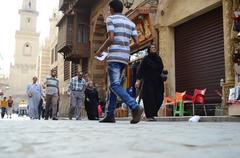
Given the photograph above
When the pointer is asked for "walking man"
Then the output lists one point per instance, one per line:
(34, 93)
(120, 29)
(4, 105)
(76, 89)
(52, 95)
(10, 106)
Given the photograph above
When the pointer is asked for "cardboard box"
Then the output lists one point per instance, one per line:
(234, 109)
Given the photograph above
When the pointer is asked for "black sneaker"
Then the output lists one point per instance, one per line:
(151, 119)
(136, 115)
(55, 118)
(108, 119)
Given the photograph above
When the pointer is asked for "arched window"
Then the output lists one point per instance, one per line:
(27, 49)
(29, 5)
(28, 20)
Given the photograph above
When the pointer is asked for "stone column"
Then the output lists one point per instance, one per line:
(229, 66)
(167, 47)
(227, 25)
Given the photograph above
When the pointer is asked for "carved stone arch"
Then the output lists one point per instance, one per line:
(98, 69)
(94, 22)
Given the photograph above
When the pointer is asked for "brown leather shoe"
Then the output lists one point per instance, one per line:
(136, 115)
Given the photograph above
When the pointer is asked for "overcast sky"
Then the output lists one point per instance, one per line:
(10, 20)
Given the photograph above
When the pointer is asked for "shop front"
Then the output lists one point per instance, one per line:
(196, 46)
(146, 36)
(233, 90)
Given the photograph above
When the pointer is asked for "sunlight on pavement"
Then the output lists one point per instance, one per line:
(15, 117)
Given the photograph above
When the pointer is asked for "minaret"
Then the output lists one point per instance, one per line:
(27, 39)
(26, 49)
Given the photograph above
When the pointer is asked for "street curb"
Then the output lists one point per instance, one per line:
(186, 118)
(180, 119)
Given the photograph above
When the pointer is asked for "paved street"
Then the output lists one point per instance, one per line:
(22, 138)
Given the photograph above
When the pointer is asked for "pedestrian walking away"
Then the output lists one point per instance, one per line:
(52, 95)
(34, 93)
(91, 101)
(76, 90)
(120, 29)
(10, 107)
(152, 89)
(4, 105)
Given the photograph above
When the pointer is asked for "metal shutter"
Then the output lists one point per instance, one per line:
(199, 55)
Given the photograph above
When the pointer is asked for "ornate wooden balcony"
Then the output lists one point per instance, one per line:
(77, 52)
(73, 38)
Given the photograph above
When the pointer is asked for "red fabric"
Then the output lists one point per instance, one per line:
(99, 110)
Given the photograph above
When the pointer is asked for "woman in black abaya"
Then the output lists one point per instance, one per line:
(91, 101)
(153, 87)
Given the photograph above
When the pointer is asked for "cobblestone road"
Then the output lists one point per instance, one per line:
(37, 139)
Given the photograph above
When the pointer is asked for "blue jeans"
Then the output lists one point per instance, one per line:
(115, 70)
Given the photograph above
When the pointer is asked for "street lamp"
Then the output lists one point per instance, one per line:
(128, 3)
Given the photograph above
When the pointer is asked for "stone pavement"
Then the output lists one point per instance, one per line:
(22, 138)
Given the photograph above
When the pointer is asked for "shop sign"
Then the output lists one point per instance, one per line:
(143, 26)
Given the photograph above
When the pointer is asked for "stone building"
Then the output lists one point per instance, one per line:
(50, 59)
(194, 39)
(26, 51)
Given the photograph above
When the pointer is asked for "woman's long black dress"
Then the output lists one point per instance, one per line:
(91, 103)
(153, 87)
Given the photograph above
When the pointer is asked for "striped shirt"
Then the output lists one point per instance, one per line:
(77, 85)
(123, 30)
(52, 84)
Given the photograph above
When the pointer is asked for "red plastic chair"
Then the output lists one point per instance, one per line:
(197, 98)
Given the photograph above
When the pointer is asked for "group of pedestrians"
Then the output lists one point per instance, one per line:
(150, 78)
(6, 107)
(80, 91)
(36, 97)
(83, 92)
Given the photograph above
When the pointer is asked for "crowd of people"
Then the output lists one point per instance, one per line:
(43, 100)
(6, 107)
(150, 79)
